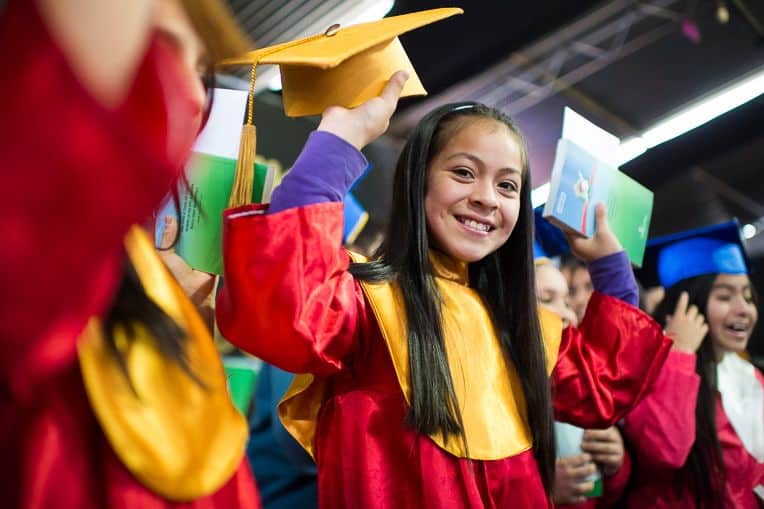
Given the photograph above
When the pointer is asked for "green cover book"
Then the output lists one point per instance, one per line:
(210, 174)
(211, 179)
(241, 374)
(580, 181)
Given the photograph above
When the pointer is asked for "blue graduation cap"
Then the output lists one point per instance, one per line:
(548, 240)
(355, 219)
(716, 249)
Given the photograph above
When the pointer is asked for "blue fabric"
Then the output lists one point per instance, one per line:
(285, 473)
(695, 257)
(538, 251)
(716, 249)
(353, 214)
(549, 239)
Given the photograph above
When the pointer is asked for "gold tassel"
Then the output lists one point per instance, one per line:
(243, 181)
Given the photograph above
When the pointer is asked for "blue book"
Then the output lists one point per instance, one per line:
(580, 181)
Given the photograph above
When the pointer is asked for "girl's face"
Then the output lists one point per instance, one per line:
(472, 198)
(552, 293)
(174, 26)
(581, 290)
(731, 313)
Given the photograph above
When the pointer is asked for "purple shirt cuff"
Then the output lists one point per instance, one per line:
(612, 275)
(324, 172)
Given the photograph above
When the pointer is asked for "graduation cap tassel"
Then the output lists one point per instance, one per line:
(243, 181)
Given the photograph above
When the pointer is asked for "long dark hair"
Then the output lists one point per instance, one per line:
(704, 466)
(504, 279)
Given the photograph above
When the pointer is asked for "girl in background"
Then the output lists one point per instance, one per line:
(425, 371)
(112, 392)
(603, 450)
(698, 436)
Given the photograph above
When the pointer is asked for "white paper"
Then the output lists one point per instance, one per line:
(592, 138)
(221, 135)
(568, 438)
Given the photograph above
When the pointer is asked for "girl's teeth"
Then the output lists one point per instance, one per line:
(476, 226)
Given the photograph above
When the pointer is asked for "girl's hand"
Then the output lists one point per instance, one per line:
(365, 123)
(570, 484)
(196, 284)
(687, 326)
(602, 243)
(605, 447)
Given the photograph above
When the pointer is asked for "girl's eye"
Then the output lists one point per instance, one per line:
(724, 297)
(462, 172)
(508, 185)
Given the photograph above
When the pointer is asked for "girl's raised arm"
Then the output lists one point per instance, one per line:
(288, 296)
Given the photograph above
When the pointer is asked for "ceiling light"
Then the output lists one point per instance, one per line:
(695, 115)
(687, 119)
(722, 12)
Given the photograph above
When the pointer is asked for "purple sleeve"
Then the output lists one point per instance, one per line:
(324, 172)
(612, 275)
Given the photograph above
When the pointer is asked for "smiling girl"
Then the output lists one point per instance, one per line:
(699, 435)
(426, 371)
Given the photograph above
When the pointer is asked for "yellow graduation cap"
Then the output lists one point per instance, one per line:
(342, 67)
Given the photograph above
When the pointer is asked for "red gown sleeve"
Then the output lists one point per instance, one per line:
(75, 177)
(288, 297)
(606, 365)
(661, 429)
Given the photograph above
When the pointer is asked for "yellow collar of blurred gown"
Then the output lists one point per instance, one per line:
(179, 439)
(487, 387)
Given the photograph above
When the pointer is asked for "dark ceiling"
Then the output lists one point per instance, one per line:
(459, 47)
(647, 68)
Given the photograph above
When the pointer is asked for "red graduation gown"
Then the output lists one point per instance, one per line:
(75, 177)
(289, 299)
(661, 430)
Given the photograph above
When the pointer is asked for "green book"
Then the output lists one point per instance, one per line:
(210, 178)
(210, 174)
(241, 373)
(580, 181)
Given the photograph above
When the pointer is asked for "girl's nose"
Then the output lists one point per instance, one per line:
(484, 194)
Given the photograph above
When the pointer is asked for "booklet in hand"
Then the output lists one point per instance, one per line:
(582, 177)
(210, 173)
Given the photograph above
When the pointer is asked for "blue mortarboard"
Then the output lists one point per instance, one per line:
(548, 241)
(714, 249)
(355, 219)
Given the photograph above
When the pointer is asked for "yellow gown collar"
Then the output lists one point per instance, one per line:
(177, 438)
(449, 268)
